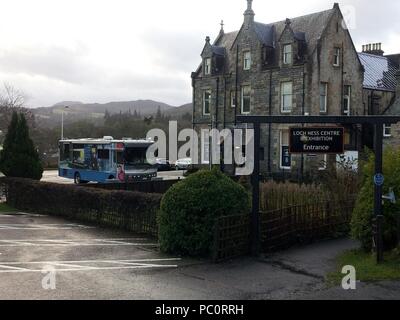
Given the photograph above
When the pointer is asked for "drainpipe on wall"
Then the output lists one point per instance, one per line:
(216, 104)
(342, 93)
(236, 101)
(224, 119)
(270, 125)
(193, 106)
(303, 111)
(236, 81)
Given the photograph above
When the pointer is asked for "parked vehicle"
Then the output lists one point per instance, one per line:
(163, 164)
(105, 160)
(183, 164)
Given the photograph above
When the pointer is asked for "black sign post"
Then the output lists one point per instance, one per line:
(378, 121)
(378, 182)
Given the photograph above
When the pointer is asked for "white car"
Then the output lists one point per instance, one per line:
(183, 164)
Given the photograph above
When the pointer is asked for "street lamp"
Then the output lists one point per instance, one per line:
(62, 122)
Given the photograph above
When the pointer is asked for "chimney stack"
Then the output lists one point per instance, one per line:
(373, 48)
(249, 14)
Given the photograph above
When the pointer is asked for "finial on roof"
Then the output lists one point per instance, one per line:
(249, 14)
(249, 4)
(222, 25)
(288, 22)
(208, 39)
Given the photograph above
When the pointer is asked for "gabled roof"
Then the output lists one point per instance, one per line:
(226, 39)
(379, 72)
(265, 33)
(307, 28)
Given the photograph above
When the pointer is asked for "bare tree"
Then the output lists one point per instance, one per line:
(12, 99)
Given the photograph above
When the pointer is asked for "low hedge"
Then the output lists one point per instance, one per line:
(129, 210)
(189, 209)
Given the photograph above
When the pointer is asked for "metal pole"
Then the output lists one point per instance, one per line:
(255, 215)
(378, 213)
(62, 125)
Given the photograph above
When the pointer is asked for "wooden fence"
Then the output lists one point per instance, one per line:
(231, 237)
(283, 228)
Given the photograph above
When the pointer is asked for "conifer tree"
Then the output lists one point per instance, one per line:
(19, 157)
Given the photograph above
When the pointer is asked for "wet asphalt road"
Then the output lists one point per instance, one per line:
(93, 263)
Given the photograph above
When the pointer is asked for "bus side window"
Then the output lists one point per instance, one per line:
(119, 157)
(104, 159)
(65, 154)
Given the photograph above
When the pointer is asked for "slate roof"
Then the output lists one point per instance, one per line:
(379, 73)
(218, 50)
(307, 28)
(266, 33)
(227, 39)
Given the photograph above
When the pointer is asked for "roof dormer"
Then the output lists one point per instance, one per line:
(213, 58)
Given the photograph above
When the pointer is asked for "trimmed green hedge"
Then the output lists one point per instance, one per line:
(129, 210)
(190, 208)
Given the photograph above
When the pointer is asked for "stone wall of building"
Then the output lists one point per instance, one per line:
(265, 82)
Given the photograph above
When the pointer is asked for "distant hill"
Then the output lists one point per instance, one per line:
(74, 110)
(179, 111)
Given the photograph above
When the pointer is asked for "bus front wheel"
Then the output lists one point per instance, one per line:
(77, 179)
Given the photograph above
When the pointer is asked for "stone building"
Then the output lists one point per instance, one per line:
(300, 66)
(379, 88)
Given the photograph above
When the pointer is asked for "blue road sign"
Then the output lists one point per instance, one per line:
(379, 179)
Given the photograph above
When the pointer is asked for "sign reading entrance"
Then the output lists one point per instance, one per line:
(317, 140)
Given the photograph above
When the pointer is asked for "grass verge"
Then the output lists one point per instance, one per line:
(366, 267)
(6, 208)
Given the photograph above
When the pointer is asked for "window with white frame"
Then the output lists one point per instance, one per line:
(286, 96)
(287, 54)
(323, 97)
(285, 161)
(246, 100)
(347, 100)
(207, 66)
(205, 146)
(336, 57)
(233, 99)
(206, 102)
(387, 130)
(246, 60)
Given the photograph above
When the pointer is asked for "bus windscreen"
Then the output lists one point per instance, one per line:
(135, 156)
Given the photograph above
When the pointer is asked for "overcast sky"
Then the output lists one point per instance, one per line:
(115, 50)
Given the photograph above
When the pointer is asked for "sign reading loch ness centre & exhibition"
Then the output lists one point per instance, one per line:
(317, 140)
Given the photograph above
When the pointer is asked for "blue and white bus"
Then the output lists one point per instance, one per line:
(105, 160)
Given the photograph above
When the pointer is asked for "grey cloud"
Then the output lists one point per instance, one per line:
(177, 51)
(375, 20)
(52, 62)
